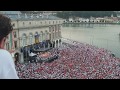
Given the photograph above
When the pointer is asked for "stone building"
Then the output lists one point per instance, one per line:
(32, 28)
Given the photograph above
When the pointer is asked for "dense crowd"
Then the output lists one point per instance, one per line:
(76, 61)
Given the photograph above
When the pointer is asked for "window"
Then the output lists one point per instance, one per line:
(30, 23)
(49, 22)
(46, 34)
(23, 23)
(49, 36)
(53, 35)
(13, 24)
(15, 35)
(24, 39)
(41, 36)
(7, 46)
(56, 22)
(15, 42)
(59, 27)
(53, 22)
(55, 28)
(7, 37)
(41, 22)
(30, 39)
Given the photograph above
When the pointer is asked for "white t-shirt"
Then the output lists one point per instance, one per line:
(7, 66)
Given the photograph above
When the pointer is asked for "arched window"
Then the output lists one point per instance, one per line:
(23, 23)
(59, 27)
(49, 36)
(46, 35)
(53, 35)
(50, 28)
(57, 43)
(7, 46)
(36, 37)
(13, 25)
(24, 39)
(30, 38)
(56, 34)
(41, 36)
(30, 23)
(15, 35)
(15, 43)
(60, 41)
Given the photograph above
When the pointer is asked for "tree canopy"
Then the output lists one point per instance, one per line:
(85, 14)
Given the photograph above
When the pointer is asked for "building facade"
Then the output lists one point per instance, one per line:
(29, 29)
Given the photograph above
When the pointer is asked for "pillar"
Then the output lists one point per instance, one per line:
(48, 45)
(55, 44)
(21, 58)
(58, 44)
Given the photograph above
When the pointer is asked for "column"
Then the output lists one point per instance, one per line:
(58, 43)
(13, 45)
(21, 58)
(55, 44)
(27, 40)
(21, 42)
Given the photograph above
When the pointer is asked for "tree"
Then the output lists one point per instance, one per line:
(85, 14)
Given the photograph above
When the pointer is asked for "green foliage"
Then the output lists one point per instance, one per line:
(85, 14)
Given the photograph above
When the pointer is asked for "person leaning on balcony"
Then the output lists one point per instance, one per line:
(7, 66)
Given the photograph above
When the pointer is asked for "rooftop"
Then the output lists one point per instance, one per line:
(17, 15)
